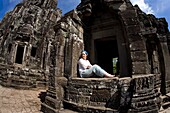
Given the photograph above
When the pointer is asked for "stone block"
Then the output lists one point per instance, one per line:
(138, 56)
(131, 13)
(135, 37)
(102, 95)
(144, 83)
(133, 29)
(140, 68)
(130, 21)
(137, 46)
(85, 100)
(62, 81)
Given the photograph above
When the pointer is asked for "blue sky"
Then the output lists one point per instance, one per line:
(160, 8)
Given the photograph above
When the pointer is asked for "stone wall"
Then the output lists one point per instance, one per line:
(24, 78)
(141, 93)
(97, 94)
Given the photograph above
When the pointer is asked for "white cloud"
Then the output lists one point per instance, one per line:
(143, 6)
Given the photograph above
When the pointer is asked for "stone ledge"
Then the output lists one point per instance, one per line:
(165, 101)
(47, 109)
(22, 78)
(94, 79)
(88, 109)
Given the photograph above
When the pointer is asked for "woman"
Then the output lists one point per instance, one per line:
(87, 70)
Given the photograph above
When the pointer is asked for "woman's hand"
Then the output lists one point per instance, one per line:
(88, 67)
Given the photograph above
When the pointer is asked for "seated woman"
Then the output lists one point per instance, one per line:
(87, 70)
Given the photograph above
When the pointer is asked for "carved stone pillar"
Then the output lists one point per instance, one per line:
(165, 66)
(74, 44)
(56, 80)
(137, 45)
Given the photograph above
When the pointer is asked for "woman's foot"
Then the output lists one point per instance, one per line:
(109, 76)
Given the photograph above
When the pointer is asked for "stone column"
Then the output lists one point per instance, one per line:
(136, 41)
(73, 50)
(165, 57)
(56, 80)
(74, 44)
(168, 41)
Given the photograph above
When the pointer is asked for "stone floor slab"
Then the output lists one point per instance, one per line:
(19, 101)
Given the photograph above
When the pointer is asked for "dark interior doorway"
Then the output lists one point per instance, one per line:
(33, 51)
(153, 56)
(106, 50)
(9, 48)
(19, 55)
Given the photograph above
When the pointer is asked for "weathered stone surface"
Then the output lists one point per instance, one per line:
(93, 92)
(168, 41)
(145, 94)
(40, 48)
(140, 68)
(137, 45)
(138, 56)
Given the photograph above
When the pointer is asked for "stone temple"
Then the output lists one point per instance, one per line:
(40, 47)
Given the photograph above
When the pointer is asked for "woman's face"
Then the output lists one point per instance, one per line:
(84, 56)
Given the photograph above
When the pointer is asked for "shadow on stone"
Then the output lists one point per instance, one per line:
(126, 98)
(121, 100)
(42, 96)
(114, 101)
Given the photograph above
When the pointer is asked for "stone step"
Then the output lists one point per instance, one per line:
(165, 101)
(17, 86)
(88, 109)
(166, 105)
(22, 86)
(143, 98)
(41, 84)
(48, 109)
(67, 111)
(146, 111)
(23, 80)
(26, 84)
(22, 83)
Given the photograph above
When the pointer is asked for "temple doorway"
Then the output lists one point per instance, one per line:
(19, 54)
(106, 53)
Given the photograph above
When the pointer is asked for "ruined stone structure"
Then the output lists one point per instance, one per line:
(38, 46)
(25, 43)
